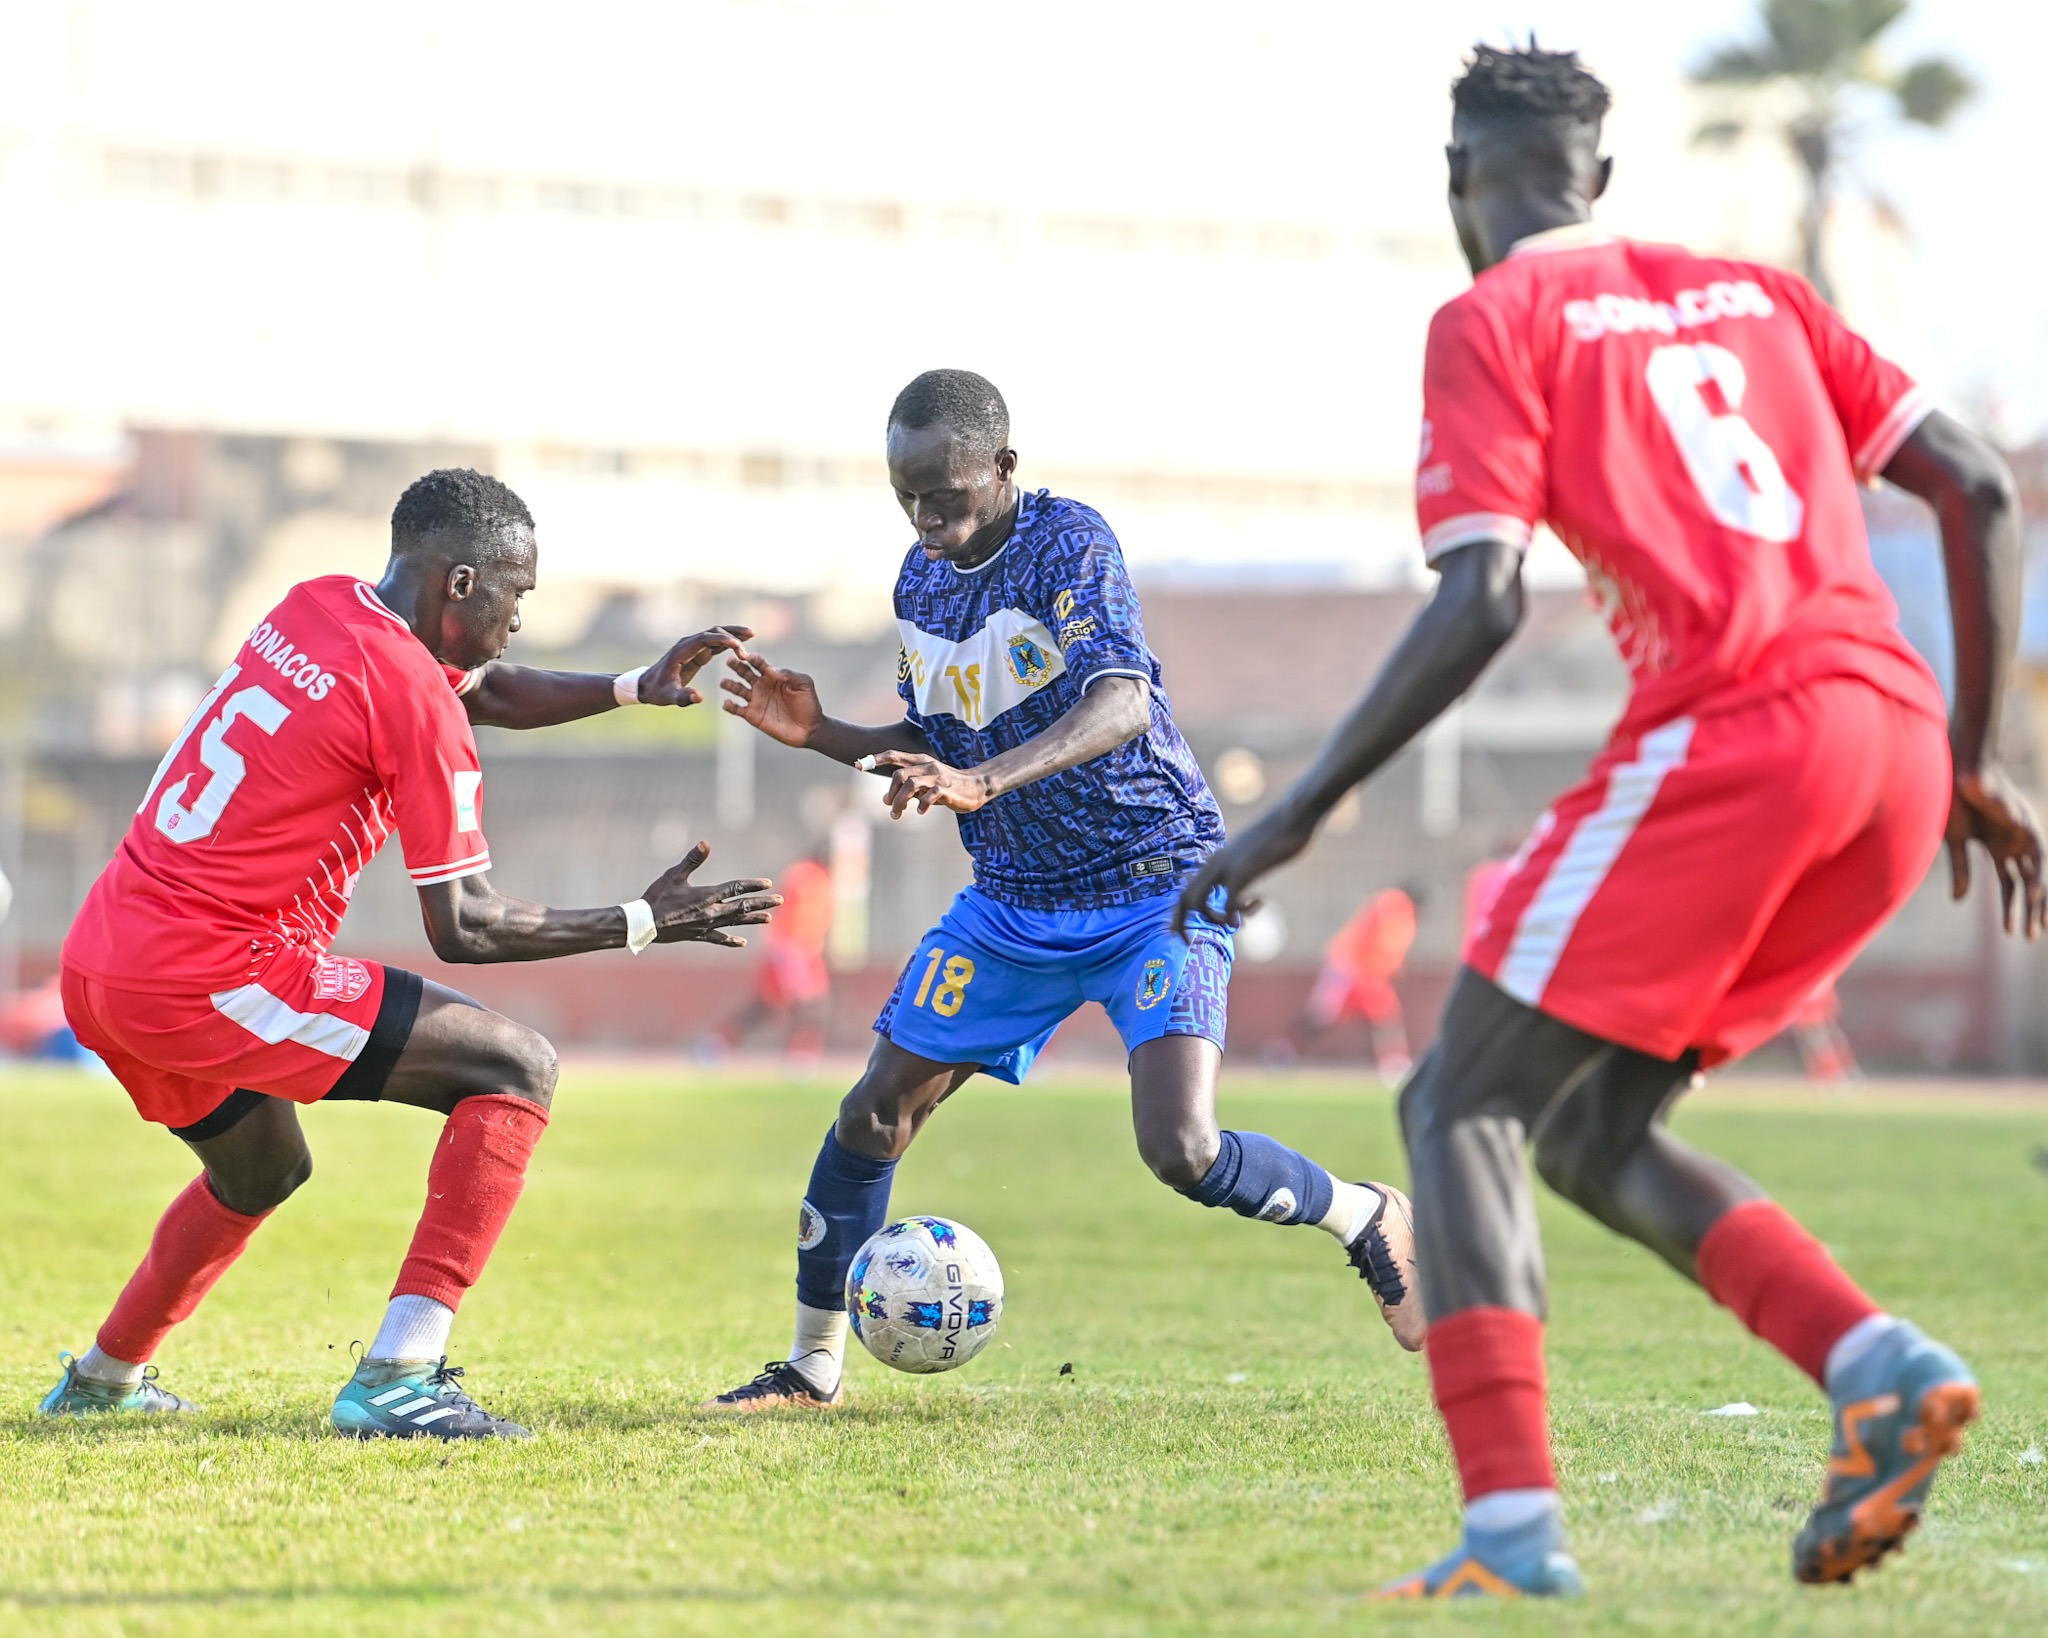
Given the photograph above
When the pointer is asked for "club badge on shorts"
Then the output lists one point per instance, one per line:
(1153, 983)
(339, 979)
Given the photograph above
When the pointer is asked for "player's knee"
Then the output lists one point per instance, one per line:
(1568, 1158)
(875, 1124)
(532, 1068)
(255, 1188)
(1180, 1159)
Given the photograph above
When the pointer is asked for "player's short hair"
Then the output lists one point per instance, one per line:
(458, 502)
(966, 403)
(1532, 86)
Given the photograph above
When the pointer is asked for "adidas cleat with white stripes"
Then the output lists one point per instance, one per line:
(414, 1399)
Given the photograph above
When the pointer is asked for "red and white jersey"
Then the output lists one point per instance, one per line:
(333, 727)
(1693, 429)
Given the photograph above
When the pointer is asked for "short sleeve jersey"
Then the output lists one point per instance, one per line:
(1694, 430)
(333, 727)
(993, 656)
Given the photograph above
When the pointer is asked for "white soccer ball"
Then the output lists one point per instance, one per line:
(924, 1294)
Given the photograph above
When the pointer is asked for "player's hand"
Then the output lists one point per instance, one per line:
(782, 704)
(929, 783)
(701, 915)
(667, 681)
(1988, 810)
(1236, 865)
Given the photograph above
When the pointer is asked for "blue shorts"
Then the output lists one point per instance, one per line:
(991, 982)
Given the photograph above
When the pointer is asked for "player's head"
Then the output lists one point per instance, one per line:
(1525, 147)
(465, 542)
(950, 460)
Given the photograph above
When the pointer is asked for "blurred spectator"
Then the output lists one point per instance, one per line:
(1816, 1031)
(1357, 981)
(32, 1025)
(792, 981)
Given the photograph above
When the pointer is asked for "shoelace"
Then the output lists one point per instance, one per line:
(775, 1374)
(445, 1375)
(1376, 1266)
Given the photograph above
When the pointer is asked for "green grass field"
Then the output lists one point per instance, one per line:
(1239, 1446)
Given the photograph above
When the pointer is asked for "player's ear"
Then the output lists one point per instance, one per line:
(1602, 175)
(1459, 160)
(1006, 463)
(461, 582)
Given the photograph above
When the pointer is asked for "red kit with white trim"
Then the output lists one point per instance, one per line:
(333, 727)
(1693, 429)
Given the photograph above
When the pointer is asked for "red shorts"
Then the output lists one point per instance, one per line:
(1339, 995)
(308, 1026)
(791, 977)
(1712, 873)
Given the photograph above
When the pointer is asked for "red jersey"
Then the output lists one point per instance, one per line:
(1693, 429)
(1377, 938)
(333, 727)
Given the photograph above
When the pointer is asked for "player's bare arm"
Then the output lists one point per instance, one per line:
(784, 705)
(470, 921)
(1115, 711)
(1971, 490)
(521, 696)
(1478, 606)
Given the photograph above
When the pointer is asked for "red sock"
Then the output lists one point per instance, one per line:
(472, 1186)
(194, 1243)
(1486, 1365)
(1781, 1283)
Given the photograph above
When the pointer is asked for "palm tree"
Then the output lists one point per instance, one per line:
(1824, 53)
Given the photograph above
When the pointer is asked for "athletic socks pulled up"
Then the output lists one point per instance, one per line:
(846, 1202)
(1758, 1263)
(1486, 1369)
(474, 1181)
(195, 1243)
(1256, 1177)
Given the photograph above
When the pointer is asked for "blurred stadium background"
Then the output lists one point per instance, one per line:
(662, 268)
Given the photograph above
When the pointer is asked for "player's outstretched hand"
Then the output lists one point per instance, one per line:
(701, 915)
(782, 704)
(1235, 866)
(928, 782)
(1988, 810)
(667, 681)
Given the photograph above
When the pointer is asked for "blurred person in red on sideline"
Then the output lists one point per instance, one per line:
(792, 981)
(1357, 980)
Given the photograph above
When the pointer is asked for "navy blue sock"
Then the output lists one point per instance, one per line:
(1256, 1177)
(847, 1201)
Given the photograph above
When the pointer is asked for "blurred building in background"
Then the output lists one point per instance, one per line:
(663, 269)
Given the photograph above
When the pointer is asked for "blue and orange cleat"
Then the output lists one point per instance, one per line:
(79, 1395)
(1526, 1562)
(1899, 1411)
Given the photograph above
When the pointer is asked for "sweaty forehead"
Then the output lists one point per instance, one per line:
(933, 457)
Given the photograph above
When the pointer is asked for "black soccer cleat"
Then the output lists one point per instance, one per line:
(780, 1386)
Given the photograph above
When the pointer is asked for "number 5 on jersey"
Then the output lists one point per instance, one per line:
(954, 978)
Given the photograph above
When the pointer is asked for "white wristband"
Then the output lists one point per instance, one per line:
(639, 925)
(626, 685)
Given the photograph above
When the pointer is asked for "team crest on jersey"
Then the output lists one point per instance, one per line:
(338, 979)
(1028, 661)
(1153, 983)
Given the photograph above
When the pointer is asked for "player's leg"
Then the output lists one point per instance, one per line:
(493, 1081)
(974, 996)
(1169, 999)
(255, 1157)
(1466, 1113)
(846, 1201)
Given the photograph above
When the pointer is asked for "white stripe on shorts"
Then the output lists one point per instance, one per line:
(1583, 864)
(266, 1017)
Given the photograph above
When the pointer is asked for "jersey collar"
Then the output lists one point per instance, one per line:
(1027, 513)
(1572, 236)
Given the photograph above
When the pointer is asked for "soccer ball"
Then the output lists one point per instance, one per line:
(924, 1294)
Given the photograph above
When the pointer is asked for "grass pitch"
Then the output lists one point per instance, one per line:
(1239, 1447)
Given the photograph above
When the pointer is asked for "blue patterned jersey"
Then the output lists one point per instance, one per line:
(993, 656)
